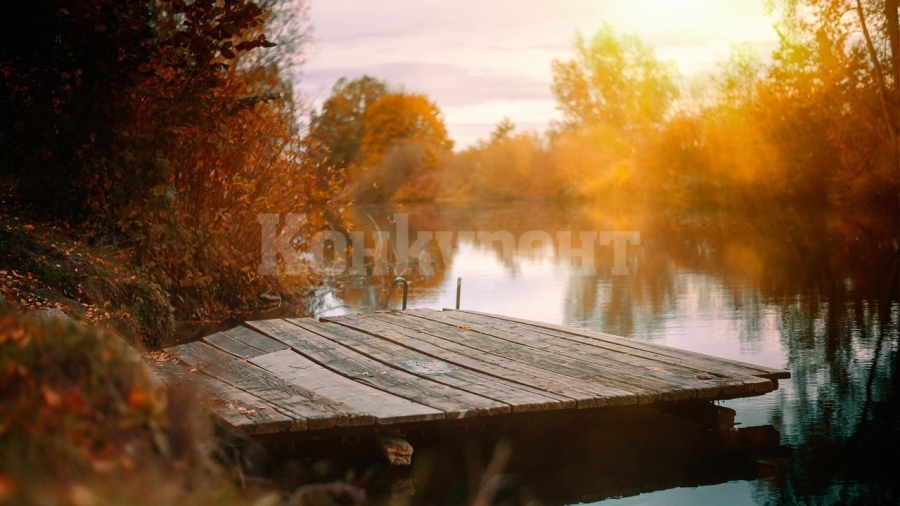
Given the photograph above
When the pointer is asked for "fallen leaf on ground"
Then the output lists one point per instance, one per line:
(50, 396)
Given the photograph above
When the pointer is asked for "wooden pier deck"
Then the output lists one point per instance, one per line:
(373, 372)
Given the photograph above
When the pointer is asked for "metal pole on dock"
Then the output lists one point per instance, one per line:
(458, 290)
(387, 300)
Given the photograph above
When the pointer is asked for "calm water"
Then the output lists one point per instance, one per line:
(811, 296)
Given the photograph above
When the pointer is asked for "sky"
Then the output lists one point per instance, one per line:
(483, 60)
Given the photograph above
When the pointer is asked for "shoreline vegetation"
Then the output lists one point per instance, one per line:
(141, 140)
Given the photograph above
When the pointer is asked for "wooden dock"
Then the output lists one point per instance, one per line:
(395, 370)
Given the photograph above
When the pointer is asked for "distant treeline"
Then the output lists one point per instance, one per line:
(815, 128)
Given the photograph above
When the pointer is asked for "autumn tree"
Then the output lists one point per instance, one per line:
(66, 69)
(857, 34)
(613, 79)
(165, 127)
(404, 140)
(398, 117)
(614, 95)
(832, 95)
(336, 132)
(814, 129)
(505, 166)
(502, 130)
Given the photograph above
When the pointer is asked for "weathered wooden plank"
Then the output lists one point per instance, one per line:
(310, 410)
(237, 411)
(586, 393)
(453, 402)
(421, 365)
(387, 408)
(255, 339)
(519, 397)
(232, 346)
(731, 373)
(630, 368)
(673, 353)
(646, 387)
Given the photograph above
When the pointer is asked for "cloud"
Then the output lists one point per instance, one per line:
(366, 36)
(555, 47)
(480, 60)
(447, 84)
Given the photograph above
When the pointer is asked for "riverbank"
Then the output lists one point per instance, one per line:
(48, 266)
(81, 420)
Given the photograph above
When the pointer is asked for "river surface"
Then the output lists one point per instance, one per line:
(817, 297)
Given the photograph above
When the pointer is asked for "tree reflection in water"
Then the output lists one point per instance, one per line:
(817, 295)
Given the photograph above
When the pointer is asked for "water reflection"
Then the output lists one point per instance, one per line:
(817, 296)
(559, 458)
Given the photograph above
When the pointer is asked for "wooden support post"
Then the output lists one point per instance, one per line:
(397, 450)
(704, 413)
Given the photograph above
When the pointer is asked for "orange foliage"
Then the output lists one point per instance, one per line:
(399, 117)
(173, 132)
(814, 129)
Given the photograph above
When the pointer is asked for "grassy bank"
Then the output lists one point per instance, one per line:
(82, 273)
(81, 420)
(42, 267)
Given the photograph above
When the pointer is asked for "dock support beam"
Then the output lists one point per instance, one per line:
(397, 450)
(704, 413)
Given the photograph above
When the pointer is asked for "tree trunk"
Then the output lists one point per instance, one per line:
(891, 14)
(884, 94)
(893, 26)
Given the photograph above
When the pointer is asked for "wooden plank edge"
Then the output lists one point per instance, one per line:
(764, 372)
(731, 385)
